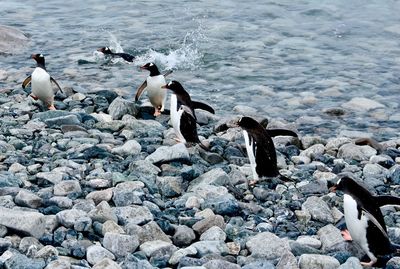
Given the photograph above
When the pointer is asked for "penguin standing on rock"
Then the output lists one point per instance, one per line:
(364, 219)
(127, 57)
(260, 148)
(183, 117)
(41, 83)
(153, 84)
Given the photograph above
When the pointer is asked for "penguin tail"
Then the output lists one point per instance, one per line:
(200, 105)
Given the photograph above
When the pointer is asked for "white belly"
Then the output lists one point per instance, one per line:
(250, 154)
(41, 85)
(176, 118)
(156, 94)
(357, 227)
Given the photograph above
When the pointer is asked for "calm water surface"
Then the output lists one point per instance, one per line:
(290, 60)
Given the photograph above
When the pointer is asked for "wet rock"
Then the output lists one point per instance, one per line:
(95, 254)
(120, 244)
(256, 245)
(28, 199)
(165, 154)
(318, 209)
(119, 107)
(315, 261)
(32, 223)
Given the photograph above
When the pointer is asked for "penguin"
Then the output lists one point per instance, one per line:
(183, 117)
(153, 84)
(41, 83)
(260, 149)
(364, 219)
(127, 57)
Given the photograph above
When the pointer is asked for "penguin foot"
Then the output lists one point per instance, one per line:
(368, 264)
(34, 97)
(253, 182)
(157, 113)
(346, 235)
(52, 107)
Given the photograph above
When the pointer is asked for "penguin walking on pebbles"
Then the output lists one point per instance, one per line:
(41, 83)
(260, 148)
(183, 117)
(107, 51)
(364, 219)
(153, 84)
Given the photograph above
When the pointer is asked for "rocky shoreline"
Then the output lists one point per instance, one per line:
(100, 184)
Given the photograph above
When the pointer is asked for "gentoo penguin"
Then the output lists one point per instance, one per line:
(127, 57)
(183, 117)
(364, 219)
(41, 83)
(260, 149)
(153, 84)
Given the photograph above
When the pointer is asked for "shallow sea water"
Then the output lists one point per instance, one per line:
(290, 60)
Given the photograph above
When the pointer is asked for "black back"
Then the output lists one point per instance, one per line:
(265, 154)
(188, 126)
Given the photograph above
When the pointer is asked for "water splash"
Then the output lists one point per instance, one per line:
(187, 56)
(115, 46)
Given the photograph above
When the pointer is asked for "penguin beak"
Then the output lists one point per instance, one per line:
(33, 56)
(333, 188)
(100, 49)
(164, 87)
(143, 67)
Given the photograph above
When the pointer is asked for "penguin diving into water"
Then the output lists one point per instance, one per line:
(41, 83)
(364, 219)
(260, 147)
(107, 51)
(153, 84)
(183, 117)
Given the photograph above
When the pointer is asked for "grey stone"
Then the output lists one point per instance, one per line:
(28, 199)
(119, 107)
(220, 264)
(180, 253)
(150, 247)
(144, 166)
(309, 241)
(276, 247)
(170, 186)
(4, 244)
(63, 120)
(131, 147)
(106, 263)
(102, 213)
(318, 209)
(127, 193)
(264, 264)
(313, 151)
(46, 252)
(13, 260)
(202, 225)
(354, 263)
(351, 151)
(61, 201)
(330, 237)
(53, 177)
(95, 254)
(215, 233)
(169, 154)
(134, 214)
(112, 227)
(372, 170)
(12, 40)
(393, 263)
(29, 245)
(68, 217)
(151, 231)
(210, 247)
(216, 176)
(183, 235)
(316, 261)
(59, 264)
(67, 187)
(287, 261)
(120, 244)
(99, 196)
(83, 224)
(8, 179)
(223, 205)
(362, 104)
(32, 223)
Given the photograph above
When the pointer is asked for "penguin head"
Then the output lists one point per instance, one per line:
(247, 123)
(175, 87)
(344, 184)
(105, 50)
(152, 67)
(39, 58)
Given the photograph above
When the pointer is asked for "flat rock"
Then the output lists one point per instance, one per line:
(103, 212)
(69, 217)
(221, 264)
(216, 176)
(202, 225)
(169, 153)
(12, 40)
(133, 214)
(120, 244)
(131, 147)
(287, 261)
(316, 261)
(106, 263)
(210, 247)
(318, 209)
(120, 107)
(330, 236)
(66, 187)
(151, 247)
(354, 263)
(351, 151)
(95, 254)
(99, 196)
(215, 233)
(28, 199)
(32, 223)
(273, 250)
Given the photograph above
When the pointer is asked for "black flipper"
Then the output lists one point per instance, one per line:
(277, 132)
(140, 90)
(200, 105)
(169, 72)
(55, 82)
(26, 82)
(383, 200)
